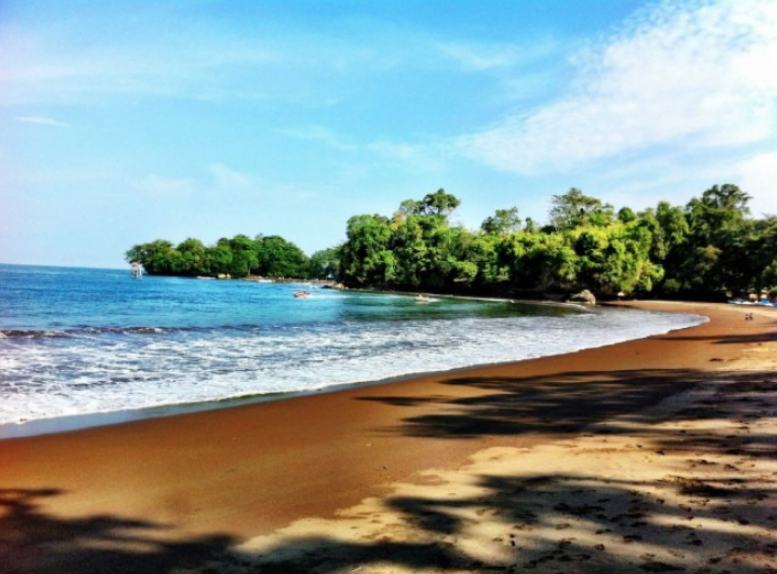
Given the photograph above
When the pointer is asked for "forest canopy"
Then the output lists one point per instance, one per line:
(708, 248)
(705, 249)
(270, 256)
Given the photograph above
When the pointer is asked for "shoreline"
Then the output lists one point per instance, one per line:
(77, 422)
(213, 480)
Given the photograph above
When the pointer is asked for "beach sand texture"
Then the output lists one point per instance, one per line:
(657, 455)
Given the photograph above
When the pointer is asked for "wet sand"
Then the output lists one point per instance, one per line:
(253, 488)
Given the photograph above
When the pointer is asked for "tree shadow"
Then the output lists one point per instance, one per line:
(738, 339)
(613, 512)
(746, 392)
(697, 514)
(556, 404)
(550, 512)
(33, 541)
(709, 524)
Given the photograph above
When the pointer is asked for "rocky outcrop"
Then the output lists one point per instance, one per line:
(338, 286)
(585, 297)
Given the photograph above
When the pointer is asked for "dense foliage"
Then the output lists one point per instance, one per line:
(705, 249)
(270, 256)
(708, 248)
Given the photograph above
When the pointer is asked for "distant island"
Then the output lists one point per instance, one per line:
(709, 249)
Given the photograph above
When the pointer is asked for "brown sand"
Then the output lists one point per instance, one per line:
(503, 467)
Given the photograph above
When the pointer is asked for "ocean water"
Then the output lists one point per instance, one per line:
(76, 341)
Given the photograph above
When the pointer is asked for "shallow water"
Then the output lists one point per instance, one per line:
(79, 341)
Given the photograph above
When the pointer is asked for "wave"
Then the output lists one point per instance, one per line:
(157, 367)
(75, 332)
(32, 334)
(89, 330)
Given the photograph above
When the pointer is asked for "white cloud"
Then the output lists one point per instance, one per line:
(758, 177)
(40, 120)
(695, 74)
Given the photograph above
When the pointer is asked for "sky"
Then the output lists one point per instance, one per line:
(122, 122)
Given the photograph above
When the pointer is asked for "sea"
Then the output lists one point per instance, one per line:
(82, 347)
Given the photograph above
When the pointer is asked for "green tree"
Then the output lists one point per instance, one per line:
(366, 256)
(324, 264)
(277, 257)
(439, 203)
(504, 221)
(538, 260)
(575, 209)
(194, 258)
(244, 255)
(715, 259)
(158, 257)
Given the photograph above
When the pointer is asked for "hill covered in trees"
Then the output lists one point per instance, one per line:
(270, 256)
(705, 249)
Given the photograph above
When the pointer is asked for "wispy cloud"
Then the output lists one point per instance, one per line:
(218, 181)
(481, 57)
(694, 73)
(76, 60)
(40, 120)
(318, 134)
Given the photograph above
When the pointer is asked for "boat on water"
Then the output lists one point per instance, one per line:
(421, 298)
(301, 294)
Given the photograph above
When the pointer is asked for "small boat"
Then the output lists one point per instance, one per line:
(421, 298)
(301, 294)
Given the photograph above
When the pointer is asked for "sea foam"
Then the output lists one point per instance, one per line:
(110, 370)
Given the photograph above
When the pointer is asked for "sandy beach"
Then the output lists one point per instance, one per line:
(656, 455)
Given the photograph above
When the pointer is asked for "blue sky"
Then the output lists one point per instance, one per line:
(122, 122)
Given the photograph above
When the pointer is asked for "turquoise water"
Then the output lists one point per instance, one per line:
(79, 341)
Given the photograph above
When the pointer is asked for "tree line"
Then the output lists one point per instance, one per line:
(705, 249)
(708, 248)
(270, 256)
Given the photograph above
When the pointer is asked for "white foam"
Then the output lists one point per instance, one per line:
(89, 374)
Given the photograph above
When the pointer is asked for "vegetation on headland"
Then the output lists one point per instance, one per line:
(705, 249)
(271, 256)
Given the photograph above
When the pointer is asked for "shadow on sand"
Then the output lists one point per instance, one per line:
(715, 522)
(555, 404)
(33, 541)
